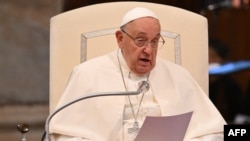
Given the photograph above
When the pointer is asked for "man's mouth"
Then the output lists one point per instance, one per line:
(144, 60)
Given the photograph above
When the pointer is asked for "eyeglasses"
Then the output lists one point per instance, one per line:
(141, 42)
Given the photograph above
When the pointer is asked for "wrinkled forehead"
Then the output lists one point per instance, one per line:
(147, 26)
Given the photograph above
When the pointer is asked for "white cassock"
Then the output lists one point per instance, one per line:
(172, 91)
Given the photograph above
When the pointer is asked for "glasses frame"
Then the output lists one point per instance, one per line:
(145, 42)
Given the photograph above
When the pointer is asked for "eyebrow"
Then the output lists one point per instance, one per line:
(144, 34)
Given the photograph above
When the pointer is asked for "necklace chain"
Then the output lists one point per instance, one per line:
(130, 103)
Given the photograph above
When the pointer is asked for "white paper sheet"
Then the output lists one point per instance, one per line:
(168, 128)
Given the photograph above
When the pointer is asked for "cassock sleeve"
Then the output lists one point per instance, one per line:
(67, 138)
(210, 137)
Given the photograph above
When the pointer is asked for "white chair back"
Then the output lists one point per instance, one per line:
(87, 32)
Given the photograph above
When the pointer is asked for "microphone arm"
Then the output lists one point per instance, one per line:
(143, 87)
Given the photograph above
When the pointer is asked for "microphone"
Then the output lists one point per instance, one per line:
(143, 87)
(223, 4)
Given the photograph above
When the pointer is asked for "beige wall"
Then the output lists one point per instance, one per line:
(24, 50)
(24, 65)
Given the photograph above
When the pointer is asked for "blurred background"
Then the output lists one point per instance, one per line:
(24, 59)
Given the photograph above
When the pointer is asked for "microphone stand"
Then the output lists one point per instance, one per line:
(144, 86)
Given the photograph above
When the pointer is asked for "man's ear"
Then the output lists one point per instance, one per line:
(119, 38)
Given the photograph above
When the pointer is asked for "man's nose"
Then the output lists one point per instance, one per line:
(148, 48)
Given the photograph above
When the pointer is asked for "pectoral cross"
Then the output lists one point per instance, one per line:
(135, 129)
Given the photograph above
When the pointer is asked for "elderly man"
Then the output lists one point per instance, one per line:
(118, 118)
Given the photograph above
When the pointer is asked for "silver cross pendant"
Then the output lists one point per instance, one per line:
(135, 129)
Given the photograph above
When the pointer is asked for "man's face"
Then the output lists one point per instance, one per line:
(141, 60)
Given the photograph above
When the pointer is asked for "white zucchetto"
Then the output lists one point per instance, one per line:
(136, 13)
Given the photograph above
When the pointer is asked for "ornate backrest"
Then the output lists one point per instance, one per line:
(87, 32)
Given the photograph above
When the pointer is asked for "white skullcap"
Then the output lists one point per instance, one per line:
(137, 13)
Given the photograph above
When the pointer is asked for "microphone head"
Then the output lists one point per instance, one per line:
(143, 86)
